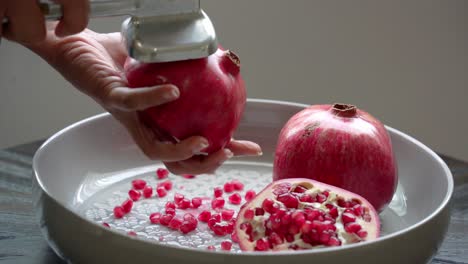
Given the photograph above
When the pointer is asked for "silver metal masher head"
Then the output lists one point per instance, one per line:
(182, 32)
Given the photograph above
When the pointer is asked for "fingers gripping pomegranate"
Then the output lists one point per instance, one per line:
(295, 214)
(211, 102)
(342, 146)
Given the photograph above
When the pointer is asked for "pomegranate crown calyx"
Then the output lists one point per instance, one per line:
(230, 62)
(344, 110)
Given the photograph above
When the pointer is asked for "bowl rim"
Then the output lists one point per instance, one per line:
(445, 202)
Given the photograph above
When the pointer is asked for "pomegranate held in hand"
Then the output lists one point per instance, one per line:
(296, 214)
(211, 102)
(342, 146)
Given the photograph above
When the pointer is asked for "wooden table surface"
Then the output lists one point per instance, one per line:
(22, 242)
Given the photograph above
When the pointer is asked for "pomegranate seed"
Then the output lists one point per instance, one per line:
(188, 226)
(348, 218)
(262, 245)
(334, 241)
(234, 237)
(106, 224)
(217, 217)
(358, 210)
(165, 219)
(170, 205)
(131, 233)
(155, 218)
(226, 245)
(230, 227)
(184, 204)
(267, 205)
(228, 187)
(188, 176)
(312, 214)
(259, 211)
(138, 184)
(275, 239)
(147, 191)
(212, 222)
(298, 218)
(333, 212)
(170, 211)
(162, 173)
(321, 198)
(249, 214)
(286, 219)
(324, 238)
(288, 200)
(175, 223)
(219, 229)
(127, 206)
(218, 192)
(119, 212)
(211, 248)
(166, 185)
(293, 229)
(188, 217)
(352, 227)
(342, 203)
(306, 227)
(227, 214)
(196, 202)
(238, 186)
(249, 195)
(235, 198)
(178, 198)
(161, 191)
(217, 203)
(299, 189)
(134, 195)
(307, 199)
(204, 216)
(326, 193)
(362, 234)
(289, 238)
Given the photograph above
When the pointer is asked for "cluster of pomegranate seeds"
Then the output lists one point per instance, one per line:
(292, 212)
(220, 220)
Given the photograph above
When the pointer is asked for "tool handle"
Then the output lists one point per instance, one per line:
(53, 11)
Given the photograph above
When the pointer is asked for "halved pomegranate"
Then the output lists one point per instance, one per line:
(297, 213)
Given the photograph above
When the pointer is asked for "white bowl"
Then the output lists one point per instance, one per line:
(89, 158)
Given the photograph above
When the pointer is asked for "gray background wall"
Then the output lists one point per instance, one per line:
(406, 62)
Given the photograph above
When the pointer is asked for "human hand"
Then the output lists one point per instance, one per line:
(93, 63)
(26, 22)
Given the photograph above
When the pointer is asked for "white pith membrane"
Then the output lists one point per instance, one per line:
(369, 221)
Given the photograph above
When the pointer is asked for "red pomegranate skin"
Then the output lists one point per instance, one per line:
(211, 102)
(349, 150)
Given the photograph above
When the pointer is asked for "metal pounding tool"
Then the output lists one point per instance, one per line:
(157, 30)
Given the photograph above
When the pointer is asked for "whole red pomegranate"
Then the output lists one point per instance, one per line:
(340, 145)
(296, 214)
(211, 102)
